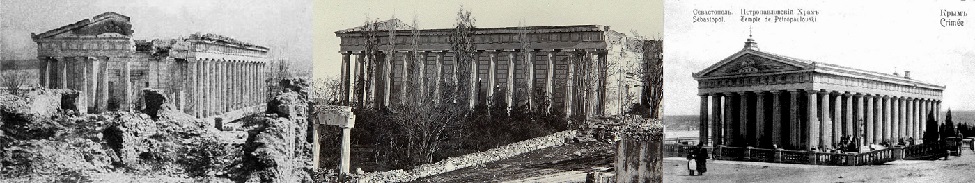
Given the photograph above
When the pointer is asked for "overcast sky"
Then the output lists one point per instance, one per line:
(641, 16)
(875, 35)
(283, 26)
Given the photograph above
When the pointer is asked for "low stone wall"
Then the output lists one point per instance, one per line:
(455, 163)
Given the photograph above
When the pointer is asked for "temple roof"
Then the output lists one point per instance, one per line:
(108, 22)
(381, 25)
(802, 65)
(223, 39)
(404, 28)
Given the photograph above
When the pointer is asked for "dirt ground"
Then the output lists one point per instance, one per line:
(956, 169)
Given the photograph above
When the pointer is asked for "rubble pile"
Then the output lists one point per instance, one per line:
(44, 137)
(44, 140)
(34, 105)
(269, 153)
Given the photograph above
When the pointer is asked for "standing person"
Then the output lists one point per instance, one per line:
(701, 158)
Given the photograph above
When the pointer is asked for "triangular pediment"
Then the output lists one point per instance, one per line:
(106, 24)
(748, 62)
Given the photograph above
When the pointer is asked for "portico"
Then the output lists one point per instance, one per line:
(759, 99)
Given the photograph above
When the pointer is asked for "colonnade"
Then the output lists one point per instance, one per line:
(581, 87)
(226, 85)
(82, 73)
(812, 119)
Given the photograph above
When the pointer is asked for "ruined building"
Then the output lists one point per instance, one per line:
(204, 75)
(585, 70)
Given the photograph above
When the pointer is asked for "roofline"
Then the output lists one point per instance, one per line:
(819, 67)
(496, 30)
(82, 22)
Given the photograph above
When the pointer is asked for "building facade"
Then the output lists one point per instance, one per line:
(204, 75)
(586, 70)
(759, 99)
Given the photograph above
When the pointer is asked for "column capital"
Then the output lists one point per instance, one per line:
(846, 94)
(775, 92)
(729, 93)
(704, 94)
(760, 92)
(825, 92)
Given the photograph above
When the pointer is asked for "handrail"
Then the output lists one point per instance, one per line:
(806, 157)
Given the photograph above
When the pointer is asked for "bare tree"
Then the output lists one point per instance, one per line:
(328, 89)
(526, 62)
(365, 82)
(462, 43)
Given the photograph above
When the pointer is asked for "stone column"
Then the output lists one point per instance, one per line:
(868, 119)
(887, 120)
(195, 91)
(908, 118)
(127, 105)
(228, 71)
(549, 78)
(511, 80)
(925, 111)
(826, 127)
(794, 130)
(492, 56)
(638, 153)
(837, 120)
(346, 82)
(44, 71)
(777, 118)
(436, 90)
(729, 121)
(103, 82)
(63, 63)
(812, 123)
(760, 119)
(716, 121)
(920, 120)
(937, 109)
(221, 86)
(359, 80)
(251, 85)
(422, 56)
(570, 90)
(387, 76)
(404, 78)
(530, 79)
(848, 115)
(859, 120)
(878, 118)
(472, 97)
(233, 84)
(703, 118)
(743, 120)
(895, 124)
(86, 78)
(215, 101)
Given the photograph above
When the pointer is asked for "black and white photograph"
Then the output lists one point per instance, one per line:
(155, 91)
(489, 91)
(812, 91)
